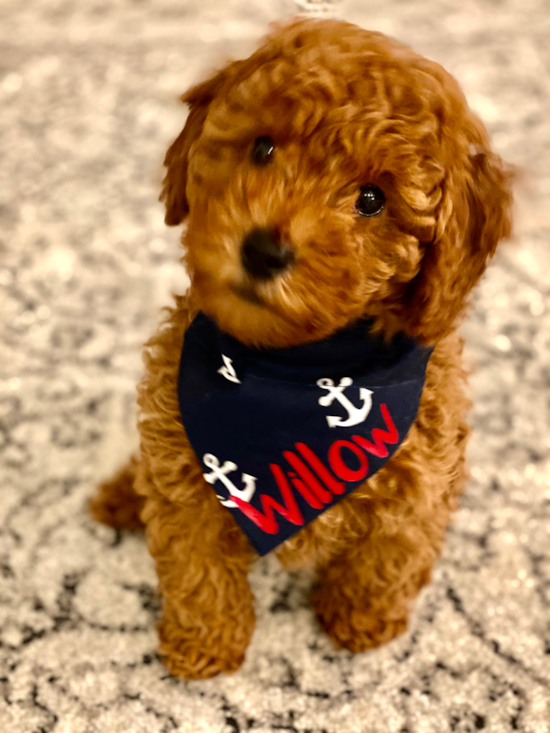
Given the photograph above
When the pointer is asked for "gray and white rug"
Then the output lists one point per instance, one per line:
(87, 108)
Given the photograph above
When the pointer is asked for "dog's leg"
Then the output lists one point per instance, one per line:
(365, 594)
(116, 502)
(202, 560)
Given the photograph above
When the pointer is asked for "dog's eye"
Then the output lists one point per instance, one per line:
(262, 150)
(371, 201)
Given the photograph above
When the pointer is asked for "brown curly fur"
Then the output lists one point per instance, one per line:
(345, 107)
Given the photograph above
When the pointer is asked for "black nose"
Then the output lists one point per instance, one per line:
(263, 254)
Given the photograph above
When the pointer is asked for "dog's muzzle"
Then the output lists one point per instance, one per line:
(264, 255)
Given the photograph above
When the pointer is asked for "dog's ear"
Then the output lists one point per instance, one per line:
(475, 213)
(199, 98)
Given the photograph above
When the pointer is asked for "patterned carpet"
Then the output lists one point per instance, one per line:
(87, 107)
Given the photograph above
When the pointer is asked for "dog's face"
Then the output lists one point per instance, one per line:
(333, 175)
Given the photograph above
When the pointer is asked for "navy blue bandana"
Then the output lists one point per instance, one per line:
(284, 434)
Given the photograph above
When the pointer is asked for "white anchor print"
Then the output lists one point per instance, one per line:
(220, 472)
(228, 370)
(356, 415)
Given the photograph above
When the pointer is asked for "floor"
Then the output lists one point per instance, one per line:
(88, 105)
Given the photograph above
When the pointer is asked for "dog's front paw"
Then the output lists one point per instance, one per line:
(355, 627)
(192, 661)
(197, 654)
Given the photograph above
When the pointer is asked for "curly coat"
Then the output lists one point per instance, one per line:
(345, 107)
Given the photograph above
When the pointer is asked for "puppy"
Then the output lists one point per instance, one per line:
(306, 396)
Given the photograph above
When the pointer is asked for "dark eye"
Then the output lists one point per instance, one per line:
(371, 201)
(262, 150)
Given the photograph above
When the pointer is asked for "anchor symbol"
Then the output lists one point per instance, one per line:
(220, 472)
(356, 415)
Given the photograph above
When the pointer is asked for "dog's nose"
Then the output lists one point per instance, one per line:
(264, 255)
